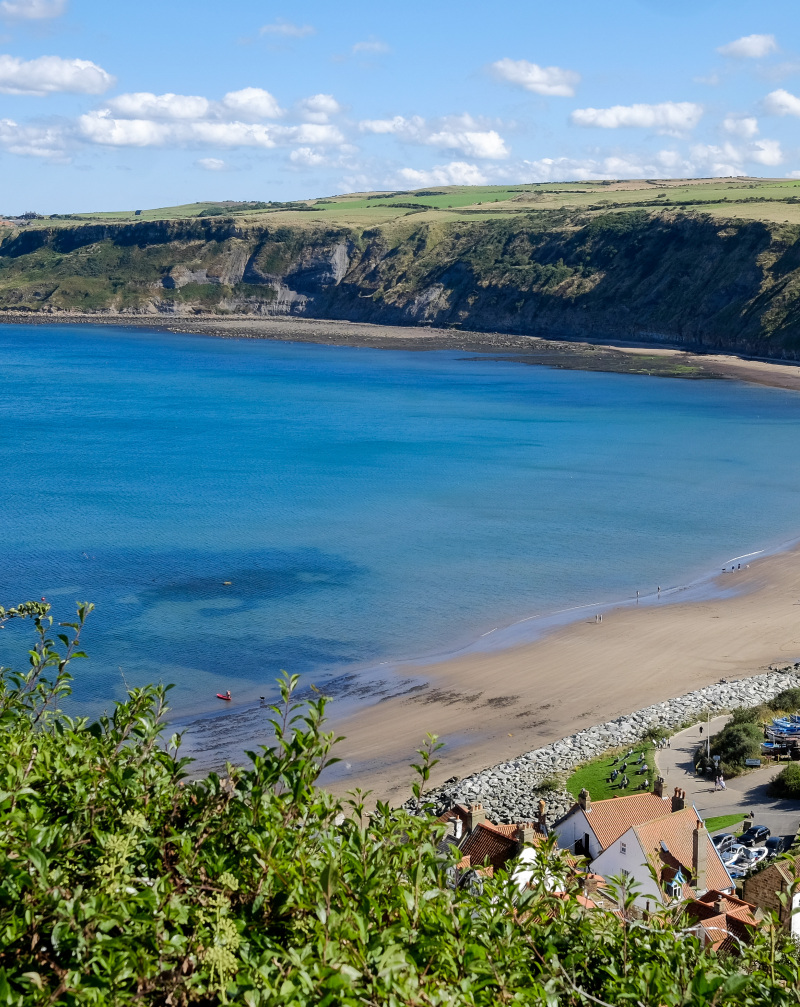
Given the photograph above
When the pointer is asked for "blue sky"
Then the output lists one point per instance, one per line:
(107, 105)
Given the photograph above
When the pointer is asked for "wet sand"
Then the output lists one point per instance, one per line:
(493, 706)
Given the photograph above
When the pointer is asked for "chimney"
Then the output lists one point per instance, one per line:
(699, 857)
(585, 800)
(719, 906)
(589, 884)
(658, 786)
(458, 829)
(526, 833)
(678, 799)
(542, 822)
(475, 817)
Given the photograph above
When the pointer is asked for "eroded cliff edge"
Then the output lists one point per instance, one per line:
(686, 278)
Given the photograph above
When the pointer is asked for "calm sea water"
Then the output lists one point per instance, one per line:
(365, 505)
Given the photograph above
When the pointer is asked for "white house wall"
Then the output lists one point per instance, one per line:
(573, 829)
(612, 862)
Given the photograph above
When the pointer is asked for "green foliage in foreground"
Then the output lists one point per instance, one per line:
(122, 882)
(787, 782)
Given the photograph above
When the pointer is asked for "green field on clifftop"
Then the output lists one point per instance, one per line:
(775, 200)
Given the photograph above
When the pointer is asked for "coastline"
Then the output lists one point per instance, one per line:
(490, 706)
(662, 358)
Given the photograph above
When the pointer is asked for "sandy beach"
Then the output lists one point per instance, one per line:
(492, 706)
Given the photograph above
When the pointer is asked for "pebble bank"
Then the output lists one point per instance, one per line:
(510, 791)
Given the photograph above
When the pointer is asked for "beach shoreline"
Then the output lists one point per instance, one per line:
(491, 706)
(661, 358)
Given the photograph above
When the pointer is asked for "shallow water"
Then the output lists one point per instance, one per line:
(365, 505)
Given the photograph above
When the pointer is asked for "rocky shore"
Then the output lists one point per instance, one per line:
(510, 791)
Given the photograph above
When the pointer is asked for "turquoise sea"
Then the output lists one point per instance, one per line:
(365, 505)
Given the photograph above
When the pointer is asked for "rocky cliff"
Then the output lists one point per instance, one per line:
(687, 278)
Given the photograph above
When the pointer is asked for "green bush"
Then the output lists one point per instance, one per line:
(787, 782)
(789, 700)
(735, 743)
(751, 715)
(122, 882)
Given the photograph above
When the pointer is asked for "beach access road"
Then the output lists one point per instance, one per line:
(746, 795)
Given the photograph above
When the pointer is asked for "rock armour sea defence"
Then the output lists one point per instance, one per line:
(510, 791)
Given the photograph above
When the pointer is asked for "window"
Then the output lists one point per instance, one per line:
(623, 849)
(624, 873)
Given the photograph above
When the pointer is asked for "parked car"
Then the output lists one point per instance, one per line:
(755, 834)
(775, 845)
(723, 842)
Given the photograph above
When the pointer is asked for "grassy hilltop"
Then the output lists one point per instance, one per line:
(702, 262)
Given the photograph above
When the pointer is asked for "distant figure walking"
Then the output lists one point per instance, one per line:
(659, 590)
(701, 729)
(722, 782)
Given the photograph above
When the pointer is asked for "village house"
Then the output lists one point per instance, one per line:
(722, 921)
(637, 836)
(484, 846)
(776, 888)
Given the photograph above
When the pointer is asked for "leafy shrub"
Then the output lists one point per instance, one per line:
(789, 699)
(751, 715)
(787, 782)
(122, 882)
(735, 743)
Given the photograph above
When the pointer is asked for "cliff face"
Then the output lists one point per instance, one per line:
(691, 279)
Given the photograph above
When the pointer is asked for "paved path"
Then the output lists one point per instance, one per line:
(744, 794)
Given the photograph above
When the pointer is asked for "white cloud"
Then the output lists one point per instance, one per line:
(287, 29)
(745, 126)
(145, 105)
(671, 117)
(549, 80)
(486, 144)
(305, 157)
(782, 102)
(373, 45)
(663, 164)
(212, 164)
(749, 47)
(730, 158)
(46, 141)
(49, 74)
(32, 10)
(454, 173)
(252, 103)
(319, 107)
(102, 127)
(455, 132)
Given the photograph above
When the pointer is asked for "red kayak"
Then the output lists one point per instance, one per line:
(226, 698)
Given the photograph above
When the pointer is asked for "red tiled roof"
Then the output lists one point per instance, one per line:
(490, 842)
(676, 832)
(612, 817)
(725, 929)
